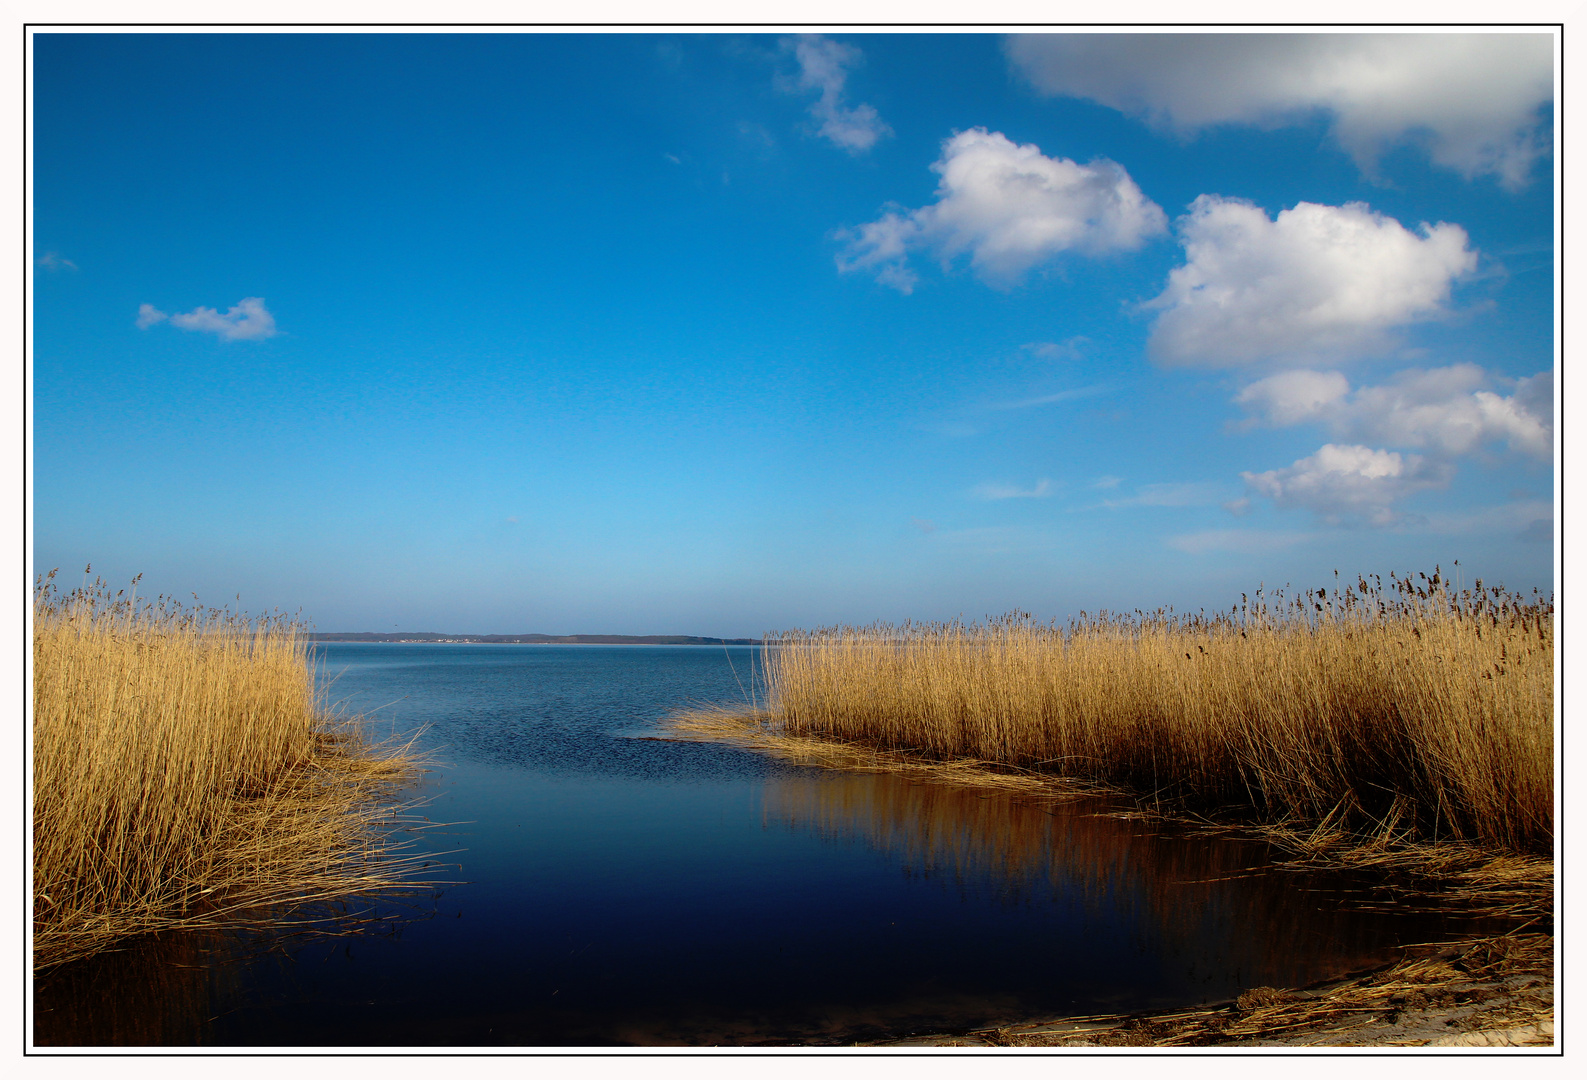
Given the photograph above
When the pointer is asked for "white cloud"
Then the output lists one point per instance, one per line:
(1472, 100)
(246, 320)
(1341, 483)
(1244, 541)
(1042, 489)
(1295, 397)
(1448, 410)
(1010, 207)
(53, 261)
(823, 66)
(1316, 282)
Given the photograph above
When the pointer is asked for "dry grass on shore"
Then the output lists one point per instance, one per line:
(1400, 715)
(1495, 991)
(186, 775)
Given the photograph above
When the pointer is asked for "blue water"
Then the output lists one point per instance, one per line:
(615, 889)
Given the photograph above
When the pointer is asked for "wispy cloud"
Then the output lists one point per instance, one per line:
(1243, 541)
(994, 492)
(758, 139)
(824, 67)
(1010, 207)
(246, 320)
(1186, 494)
(1068, 349)
(925, 526)
(1528, 519)
(53, 261)
(997, 540)
(1049, 399)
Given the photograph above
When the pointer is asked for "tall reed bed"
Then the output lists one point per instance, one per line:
(1409, 707)
(186, 774)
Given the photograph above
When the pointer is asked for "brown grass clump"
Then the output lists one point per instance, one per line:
(187, 775)
(1409, 713)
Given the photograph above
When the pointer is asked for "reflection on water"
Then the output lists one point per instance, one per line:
(163, 989)
(623, 891)
(1210, 907)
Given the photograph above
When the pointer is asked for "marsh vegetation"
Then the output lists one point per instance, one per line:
(186, 775)
(1409, 712)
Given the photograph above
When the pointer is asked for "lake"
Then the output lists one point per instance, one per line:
(620, 890)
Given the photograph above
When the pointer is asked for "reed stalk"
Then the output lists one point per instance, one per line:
(186, 774)
(1409, 711)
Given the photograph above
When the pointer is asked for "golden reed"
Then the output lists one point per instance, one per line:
(1410, 708)
(187, 775)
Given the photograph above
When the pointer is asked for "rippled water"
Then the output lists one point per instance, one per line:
(623, 890)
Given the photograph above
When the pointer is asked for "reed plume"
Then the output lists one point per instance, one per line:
(1409, 708)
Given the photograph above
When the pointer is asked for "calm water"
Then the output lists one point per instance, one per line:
(622, 890)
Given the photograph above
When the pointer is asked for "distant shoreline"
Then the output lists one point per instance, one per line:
(533, 639)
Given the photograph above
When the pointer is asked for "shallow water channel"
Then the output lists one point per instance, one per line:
(620, 890)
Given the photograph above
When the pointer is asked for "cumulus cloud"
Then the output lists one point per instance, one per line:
(1346, 483)
(823, 67)
(246, 320)
(1316, 282)
(1448, 410)
(1473, 101)
(1010, 207)
(1042, 489)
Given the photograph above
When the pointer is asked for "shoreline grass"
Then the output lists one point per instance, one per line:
(1488, 991)
(187, 775)
(1362, 716)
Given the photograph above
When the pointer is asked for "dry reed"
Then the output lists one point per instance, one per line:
(1400, 714)
(186, 775)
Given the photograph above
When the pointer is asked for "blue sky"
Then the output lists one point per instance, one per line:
(724, 333)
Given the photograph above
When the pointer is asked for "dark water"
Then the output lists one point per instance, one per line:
(625, 891)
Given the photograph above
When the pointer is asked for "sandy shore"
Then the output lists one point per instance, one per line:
(1498, 992)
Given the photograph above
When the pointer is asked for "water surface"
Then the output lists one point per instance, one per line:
(620, 890)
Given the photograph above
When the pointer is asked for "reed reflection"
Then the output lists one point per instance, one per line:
(166, 988)
(1210, 905)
